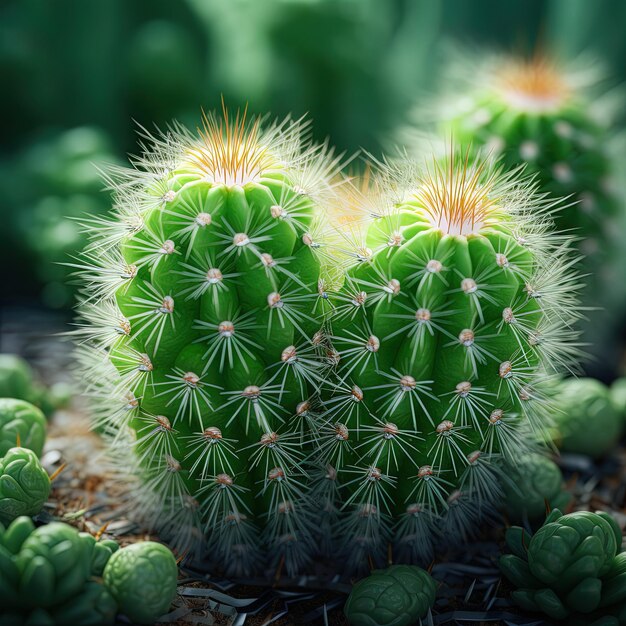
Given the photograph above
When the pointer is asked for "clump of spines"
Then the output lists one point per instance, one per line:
(457, 305)
(197, 326)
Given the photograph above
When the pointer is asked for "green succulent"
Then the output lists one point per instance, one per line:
(586, 418)
(533, 485)
(142, 578)
(570, 567)
(17, 380)
(51, 567)
(24, 484)
(397, 596)
(23, 424)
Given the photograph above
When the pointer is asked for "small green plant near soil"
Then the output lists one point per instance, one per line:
(533, 485)
(571, 569)
(21, 424)
(397, 596)
(587, 419)
(54, 575)
(24, 484)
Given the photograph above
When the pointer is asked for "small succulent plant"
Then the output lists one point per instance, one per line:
(49, 575)
(586, 418)
(455, 308)
(198, 333)
(570, 568)
(21, 424)
(24, 484)
(533, 487)
(397, 596)
(142, 578)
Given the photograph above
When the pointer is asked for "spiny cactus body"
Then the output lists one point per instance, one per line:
(198, 332)
(456, 305)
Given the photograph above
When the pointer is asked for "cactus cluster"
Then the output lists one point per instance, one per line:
(282, 368)
(571, 569)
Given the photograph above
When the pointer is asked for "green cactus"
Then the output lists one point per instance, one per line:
(533, 487)
(570, 568)
(618, 396)
(24, 484)
(540, 113)
(455, 308)
(397, 596)
(586, 419)
(142, 578)
(198, 333)
(21, 424)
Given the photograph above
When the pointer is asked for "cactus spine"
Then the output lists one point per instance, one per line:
(197, 332)
(458, 302)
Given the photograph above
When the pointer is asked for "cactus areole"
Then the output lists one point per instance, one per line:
(455, 307)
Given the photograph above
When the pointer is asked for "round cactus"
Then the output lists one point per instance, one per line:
(533, 487)
(24, 484)
(549, 117)
(586, 418)
(198, 332)
(142, 578)
(397, 596)
(21, 424)
(454, 310)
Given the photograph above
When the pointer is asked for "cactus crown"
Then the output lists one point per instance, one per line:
(457, 304)
(198, 330)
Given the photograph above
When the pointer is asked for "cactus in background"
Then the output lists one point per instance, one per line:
(586, 417)
(533, 487)
(457, 305)
(21, 424)
(540, 113)
(198, 333)
(572, 567)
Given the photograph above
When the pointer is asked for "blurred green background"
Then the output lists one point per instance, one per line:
(79, 75)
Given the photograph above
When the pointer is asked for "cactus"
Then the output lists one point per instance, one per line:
(570, 568)
(548, 116)
(24, 484)
(21, 424)
(198, 333)
(586, 419)
(457, 306)
(397, 596)
(142, 578)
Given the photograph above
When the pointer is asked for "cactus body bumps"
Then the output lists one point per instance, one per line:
(198, 326)
(456, 305)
